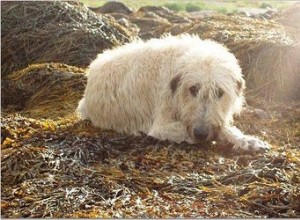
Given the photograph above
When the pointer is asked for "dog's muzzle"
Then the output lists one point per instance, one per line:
(201, 133)
(205, 133)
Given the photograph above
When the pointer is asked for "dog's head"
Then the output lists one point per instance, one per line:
(206, 93)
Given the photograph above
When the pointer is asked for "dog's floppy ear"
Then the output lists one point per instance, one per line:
(174, 84)
(240, 85)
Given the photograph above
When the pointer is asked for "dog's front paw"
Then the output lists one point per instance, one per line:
(251, 144)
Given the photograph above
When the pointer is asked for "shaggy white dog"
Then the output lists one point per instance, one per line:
(177, 88)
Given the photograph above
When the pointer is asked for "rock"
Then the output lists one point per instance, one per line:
(113, 7)
(151, 27)
(164, 12)
(266, 13)
(195, 15)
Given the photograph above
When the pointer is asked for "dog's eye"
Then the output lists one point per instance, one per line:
(219, 93)
(194, 90)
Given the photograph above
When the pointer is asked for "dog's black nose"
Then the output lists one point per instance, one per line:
(201, 133)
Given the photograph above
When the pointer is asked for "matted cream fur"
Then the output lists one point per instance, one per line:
(177, 88)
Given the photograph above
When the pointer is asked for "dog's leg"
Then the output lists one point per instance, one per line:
(173, 131)
(241, 141)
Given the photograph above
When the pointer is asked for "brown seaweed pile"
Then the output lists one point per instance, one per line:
(50, 89)
(58, 31)
(55, 165)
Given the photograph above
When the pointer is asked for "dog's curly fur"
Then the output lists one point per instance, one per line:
(177, 88)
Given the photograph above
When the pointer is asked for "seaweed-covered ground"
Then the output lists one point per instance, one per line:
(64, 167)
(55, 165)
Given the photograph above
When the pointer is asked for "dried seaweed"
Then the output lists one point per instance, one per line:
(43, 89)
(68, 168)
(57, 31)
(55, 165)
